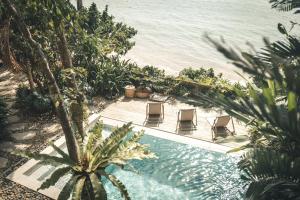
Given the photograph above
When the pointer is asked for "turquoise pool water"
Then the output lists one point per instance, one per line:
(181, 172)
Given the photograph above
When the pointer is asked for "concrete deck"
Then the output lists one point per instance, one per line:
(134, 110)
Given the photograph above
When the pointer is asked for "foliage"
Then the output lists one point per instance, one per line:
(97, 153)
(272, 175)
(109, 77)
(195, 82)
(74, 86)
(3, 117)
(32, 102)
(271, 109)
(195, 74)
(286, 5)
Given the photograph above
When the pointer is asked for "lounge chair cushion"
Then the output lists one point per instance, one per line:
(155, 109)
(187, 115)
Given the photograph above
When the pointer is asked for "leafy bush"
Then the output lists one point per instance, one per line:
(3, 116)
(32, 102)
(110, 77)
(198, 73)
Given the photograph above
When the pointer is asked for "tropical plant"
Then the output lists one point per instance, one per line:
(272, 111)
(97, 153)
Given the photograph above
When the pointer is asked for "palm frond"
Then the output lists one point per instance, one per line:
(286, 5)
(270, 172)
(68, 188)
(118, 184)
(55, 176)
(45, 158)
(127, 150)
(62, 153)
(99, 191)
(77, 192)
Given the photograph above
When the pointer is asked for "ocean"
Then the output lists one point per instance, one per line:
(171, 32)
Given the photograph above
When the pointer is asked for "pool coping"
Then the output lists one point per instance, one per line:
(53, 192)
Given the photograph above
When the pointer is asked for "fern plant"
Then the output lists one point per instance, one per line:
(97, 153)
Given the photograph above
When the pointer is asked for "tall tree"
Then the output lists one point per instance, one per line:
(55, 93)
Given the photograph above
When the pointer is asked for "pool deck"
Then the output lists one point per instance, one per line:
(134, 110)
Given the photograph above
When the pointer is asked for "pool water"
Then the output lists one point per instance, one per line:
(181, 172)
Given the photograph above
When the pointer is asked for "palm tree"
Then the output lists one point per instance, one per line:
(97, 154)
(272, 111)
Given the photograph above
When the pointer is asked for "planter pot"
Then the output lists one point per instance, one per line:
(142, 95)
(129, 91)
(143, 92)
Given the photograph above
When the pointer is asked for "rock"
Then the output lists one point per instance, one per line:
(10, 146)
(24, 135)
(17, 127)
(13, 119)
(3, 162)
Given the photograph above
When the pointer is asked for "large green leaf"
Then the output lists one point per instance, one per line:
(117, 183)
(78, 188)
(68, 188)
(45, 158)
(98, 188)
(62, 153)
(55, 176)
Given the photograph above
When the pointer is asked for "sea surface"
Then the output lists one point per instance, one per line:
(171, 32)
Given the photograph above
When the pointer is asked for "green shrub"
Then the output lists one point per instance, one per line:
(200, 73)
(110, 77)
(3, 117)
(32, 102)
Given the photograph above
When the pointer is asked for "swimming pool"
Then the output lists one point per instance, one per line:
(181, 172)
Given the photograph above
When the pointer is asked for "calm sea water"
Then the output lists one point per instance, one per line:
(170, 32)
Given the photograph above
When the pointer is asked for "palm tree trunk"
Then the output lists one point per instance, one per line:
(79, 4)
(65, 54)
(71, 141)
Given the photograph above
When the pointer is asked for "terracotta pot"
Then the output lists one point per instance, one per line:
(129, 91)
(143, 92)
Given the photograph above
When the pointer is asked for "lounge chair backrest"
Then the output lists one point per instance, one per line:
(222, 121)
(155, 108)
(187, 114)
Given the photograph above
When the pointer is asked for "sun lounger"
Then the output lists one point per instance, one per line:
(187, 119)
(154, 112)
(220, 123)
